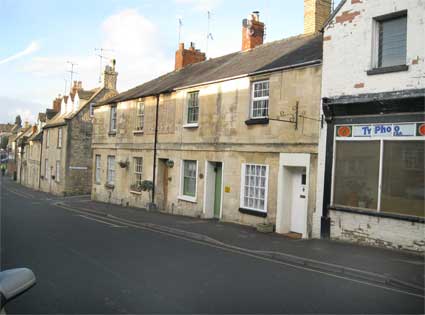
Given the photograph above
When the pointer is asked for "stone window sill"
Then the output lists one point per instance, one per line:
(187, 198)
(378, 214)
(109, 186)
(135, 192)
(138, 132)
(191, 125)
(256, 213)
(257, 121)
(112, 133)
(390, 69)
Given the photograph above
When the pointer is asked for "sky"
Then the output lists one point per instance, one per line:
(40, 37)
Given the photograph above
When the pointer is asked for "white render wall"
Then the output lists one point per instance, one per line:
(347, 55)
(376, 231)
(348, 49)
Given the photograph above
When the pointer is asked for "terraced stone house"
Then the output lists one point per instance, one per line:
(233, 138)
(66, 152)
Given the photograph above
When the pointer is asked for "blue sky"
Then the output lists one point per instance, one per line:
(39, 37)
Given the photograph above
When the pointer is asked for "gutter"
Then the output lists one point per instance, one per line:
(297, 65)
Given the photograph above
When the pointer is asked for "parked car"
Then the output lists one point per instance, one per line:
(14, 282)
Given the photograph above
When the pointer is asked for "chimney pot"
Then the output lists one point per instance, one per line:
(252, 31)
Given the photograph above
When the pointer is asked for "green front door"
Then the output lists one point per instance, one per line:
(217, 193)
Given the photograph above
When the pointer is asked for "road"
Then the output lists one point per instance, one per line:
(85, 264)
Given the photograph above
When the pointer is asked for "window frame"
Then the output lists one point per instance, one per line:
(261, 98)
(136, 172)
(242, 188)
(182, 196)
(57, 173)
(376, 38)
(381, 140)
(91, 110)
(140, 116)
(110, 169)
(59, 144)
(97, 168)
(113, 115)
(188, 123)
(46, 168)
(47, 138)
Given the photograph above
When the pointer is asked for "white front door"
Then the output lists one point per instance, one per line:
(299, 201)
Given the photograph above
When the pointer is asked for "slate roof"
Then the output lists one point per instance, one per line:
(6, 127)
(42, 117)
(86, 95)
(60, 119)
(283, 53)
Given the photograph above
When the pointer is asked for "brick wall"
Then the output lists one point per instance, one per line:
(316, 12)
(376, 231)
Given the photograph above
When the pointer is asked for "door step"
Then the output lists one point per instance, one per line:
(294, 235)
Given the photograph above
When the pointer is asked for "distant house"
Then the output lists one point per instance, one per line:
(372, 144)
(66, 152)
(233, 137)
(29, 159)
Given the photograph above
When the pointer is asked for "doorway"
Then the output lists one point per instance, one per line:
(162, 182)
(293, 194)
(298, 200)
(213, 189)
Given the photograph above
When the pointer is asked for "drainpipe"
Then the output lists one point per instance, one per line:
(41, 163)
(154, 149)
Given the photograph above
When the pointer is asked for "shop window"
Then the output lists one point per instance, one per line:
(357, 174)
(403, 178)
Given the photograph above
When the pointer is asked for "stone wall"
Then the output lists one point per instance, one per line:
(221, 135)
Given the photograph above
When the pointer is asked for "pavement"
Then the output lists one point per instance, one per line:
(91, 257)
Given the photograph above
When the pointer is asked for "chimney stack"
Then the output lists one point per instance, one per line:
(252, 31)
(189, 56)
(316, 12)
(57, 104)
(110, 76)
(78, 85)
(34, 129)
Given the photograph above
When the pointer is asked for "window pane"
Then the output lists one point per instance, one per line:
(189, 178)
(392, 42)
(403, 178)
(356, 174)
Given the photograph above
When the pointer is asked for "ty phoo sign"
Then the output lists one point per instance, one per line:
(381, 130)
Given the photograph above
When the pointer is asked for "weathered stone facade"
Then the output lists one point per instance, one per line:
(221, 135)
(67, 154)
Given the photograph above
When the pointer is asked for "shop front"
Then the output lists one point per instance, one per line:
(374, 175)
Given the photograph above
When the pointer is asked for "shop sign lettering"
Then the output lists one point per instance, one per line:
(380, 130)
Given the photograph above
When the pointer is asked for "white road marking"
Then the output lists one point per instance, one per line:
(137, 226)
(100, 221)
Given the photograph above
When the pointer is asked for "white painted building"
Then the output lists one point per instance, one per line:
(371, 155)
